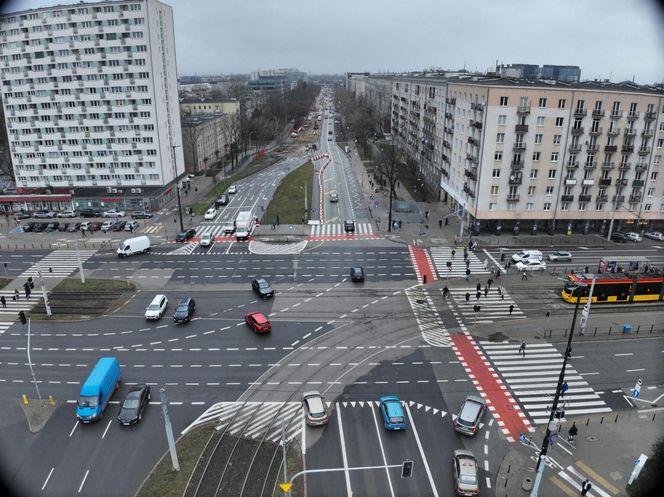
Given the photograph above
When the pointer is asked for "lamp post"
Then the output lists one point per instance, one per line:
(177, 186)
(539, 469)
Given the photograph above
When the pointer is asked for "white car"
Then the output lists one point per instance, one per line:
(232, 189)
(206, 240)
(210, 214)
(114, 213)
(228, 228)
(655, 235)
(67, 213)
(634, 237)
(107, 226)
(157, 307)
(131, 226)
(531, 265)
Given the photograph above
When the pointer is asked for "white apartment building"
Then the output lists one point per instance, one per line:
(90, 95)
(536, 155)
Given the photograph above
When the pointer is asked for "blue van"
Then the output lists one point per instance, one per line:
(98, 389)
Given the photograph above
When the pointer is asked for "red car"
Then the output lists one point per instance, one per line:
(96, 226)
(258, 322)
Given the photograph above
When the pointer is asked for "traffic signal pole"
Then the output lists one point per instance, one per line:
(43, 288)
(32, 371)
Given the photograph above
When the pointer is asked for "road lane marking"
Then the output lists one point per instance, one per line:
(107, 427)
(83, 482)
(382, 451)
(73, 429)
(344, 455)
(424, 457)
(47, 478)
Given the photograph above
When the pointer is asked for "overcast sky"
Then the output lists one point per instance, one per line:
(617, 39)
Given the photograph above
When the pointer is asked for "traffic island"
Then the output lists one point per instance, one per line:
(37, 413)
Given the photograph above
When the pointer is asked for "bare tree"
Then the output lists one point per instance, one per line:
(389, 166)
(192, 135)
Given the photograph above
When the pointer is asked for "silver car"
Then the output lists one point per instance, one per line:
(315, 412)
(560, 256)
(465, 473)
(470, 415)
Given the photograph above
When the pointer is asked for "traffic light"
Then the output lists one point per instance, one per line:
(407, 469)
(21, 316)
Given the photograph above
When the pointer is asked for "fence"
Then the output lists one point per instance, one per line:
(82, 244)
(539, 241)
(615, 330)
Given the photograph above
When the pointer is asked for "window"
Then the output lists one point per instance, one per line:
(498, 156)
(561, 103)
(660, 142)
(492, 206)
(494, 190)
(540, 120)
(547, 206)
(549, 190)
(599, 207)
(653, 176)
(542, 103)
(533, 173)
(531, 191)
(647, 207)
(503, 101)
(556, 139)
(502, 119)
(658, 158)
(529, 206)
(559, 122)
(538, 138)
(552, 174)
(495, 173)
(536, 156)
(582, 206)
(554, 157)
(500, 137)
(651, 192)
(564, 206)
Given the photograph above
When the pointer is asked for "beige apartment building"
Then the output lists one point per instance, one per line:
(206, 138)
(536, 155)
(196, 105)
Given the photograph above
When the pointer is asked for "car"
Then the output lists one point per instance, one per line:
(52, 227)
(222, 200)
(560, 256)
(468, 420)
(334, 197)
(133, 405)
(95, 226)
(357, 273)
(526, 254)
(39, 227)
(157, 307)
(63, 226)
(465, 473)
(228, 228)
(114, 213)
(89, 213)
(107, 226)
(531, 265)
(207, 240)
(232, 189)
(67, 213)
(43, 214)
(619, 237)
(633, 237)
(315, 412)
(655, 235)
(210, 214)
(28, 227)
(141, 215)
(349, 226)
(23, 215)
(73, 227)
(258, 322)
(392, 412)
(262, 287)
(119, 225)
(185, 310)
(131, 226)
(185, 235)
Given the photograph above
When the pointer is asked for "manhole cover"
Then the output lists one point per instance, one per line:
(592, 438)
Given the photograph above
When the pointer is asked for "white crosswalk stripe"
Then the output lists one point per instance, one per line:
(575, 478)
(431, 326)
(493, 307)
(533, 379)
(212, 229)
(58, 264)
(185, 249)
(442, 255)
(154, 229)
(338, 229)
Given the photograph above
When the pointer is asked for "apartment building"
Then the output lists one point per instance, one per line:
(530, 155)
(206, 139)
(195, 105)
(90, 96)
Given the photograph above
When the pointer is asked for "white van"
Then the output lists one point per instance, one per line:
(347, 149)
(534, 255)
(157, 307)
(133, 246)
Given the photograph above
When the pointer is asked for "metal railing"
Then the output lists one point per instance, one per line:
(615, 330)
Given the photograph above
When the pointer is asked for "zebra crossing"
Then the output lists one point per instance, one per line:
(211, 229)
(431, 326)
(155, 228)
(9, 314)
(442, 255)
(574, 474)
(58, 264)
(533, 379)
(336, 229)
(493, 307)
(186, 249)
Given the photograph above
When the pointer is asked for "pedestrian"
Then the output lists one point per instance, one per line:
(467, 297)
(453, 253)
(131, 228)
(476, 308)
(497, 274)
(478, 295)
(522, 347)
(277, 219)
(456, 240)
(524, 276)
(489, 282)
(512, 309)
(446, 291)
(467, 274)
(563, 389)
(502, 293)
(486, 291)
(449, 266)
(465, 250)
(82, 232)
(571, 434)
(426, 214)
(16, 295)
(440, 223)
(399, 223)
(467, 263)
(478, 287)
(274, 224)
(585, 488)
(3, 301)
(586, 270)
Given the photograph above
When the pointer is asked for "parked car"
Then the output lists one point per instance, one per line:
(39, 227)
(185, 310)
(89, 213)
(655, 235)
(349, 226)
(258, 322)
(52, 226)
(262, 287)
(633, 237)
(207, 240)
(63, 226)
(107, 226)
(43, 214)
(95, 226)
(222, 200)
(531, 265)
(526, 254)
(210, 214)
(619, 237)
(131, 226)
(23, 215)
(67, 213)
(334, 197)
(315, 412)
(232, 189)
(357, 273)
(392, 413)
(28, 227)
(134, 404)
(470, 415)
(114, 213)
(560, 256)
(119, 225)
(185, 235)
(141, 215)
(157, 307)
(73, 227)
(228, 228)
(465, 473)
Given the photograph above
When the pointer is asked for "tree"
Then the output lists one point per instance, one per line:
(192, 135)
(389, 166)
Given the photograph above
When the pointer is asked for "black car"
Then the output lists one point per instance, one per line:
(134, 404)
(185, 310)
(619, 237)
(349, 226)
(39, 227)
(262, 287)
(222, 200)
(73, 227)
(185, 235)
(357, 273)
(63, 226)
(29, 227)
(119, 226)
(89, 213)
(141, 215)
(52, 226)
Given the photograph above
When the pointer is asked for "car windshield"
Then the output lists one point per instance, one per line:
(88, 401)
(131, 403)
(182, 308)
(153, 307)
(263, 284)
(468, 479)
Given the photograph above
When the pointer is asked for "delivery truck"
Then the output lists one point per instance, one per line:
(136, 245)
(98, 389)
(244, 224)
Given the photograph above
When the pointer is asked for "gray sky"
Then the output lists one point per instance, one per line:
(620, 39)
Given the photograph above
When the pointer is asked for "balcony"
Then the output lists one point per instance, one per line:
(448, 115)
(513, 197)
(471, 158)
(635, 199)
(567, 198)
(451, 101)
(472, 141)
(641, 167)
(637, 183)
(521, 128)
(621, 182)
(605, 182)
(515, 180)
(593, 148)
(477, 106)
(574, 148)
(611, 148)
(519, 147)
(570, 181)
(598, 112)
(585, 198)
(650, 116)
(580, 112)
(588, 182)
(618, 199)
(644, 150)
(476, 124)
(471, 174)
(517, 164)
(647, 133)
(633, 114)
(596, 130)
(572, 164)
(616, 114)
(628, 149)
(578, 130)
(523, 109)
(625, 166)
(615, 131)
(630, 132)
(589, 166)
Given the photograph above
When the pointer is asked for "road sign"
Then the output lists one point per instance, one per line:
(371, 197)
(637, 389)
(285, 486)
(522, 438)
(376, 205)
(313, 210)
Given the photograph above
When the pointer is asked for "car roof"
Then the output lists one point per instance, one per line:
(136, 388)
(259, 317)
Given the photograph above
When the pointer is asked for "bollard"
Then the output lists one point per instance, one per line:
(51, 400)
(424, 279)
(616, 420)
(25, 399)
(587, 421)
(601, 420)
(653, 415)
(638, 327)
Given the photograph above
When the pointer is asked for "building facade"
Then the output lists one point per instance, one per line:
(276, 81)
(90, 95)
(205, 139)
(195, 105)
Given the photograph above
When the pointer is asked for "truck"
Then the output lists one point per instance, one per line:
(136, 245)
(98, 389)
(244, 224)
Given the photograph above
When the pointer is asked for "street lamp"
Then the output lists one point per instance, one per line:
(539, 469)
(177, 186)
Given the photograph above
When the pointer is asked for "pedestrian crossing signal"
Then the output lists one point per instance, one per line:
(407, 469)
